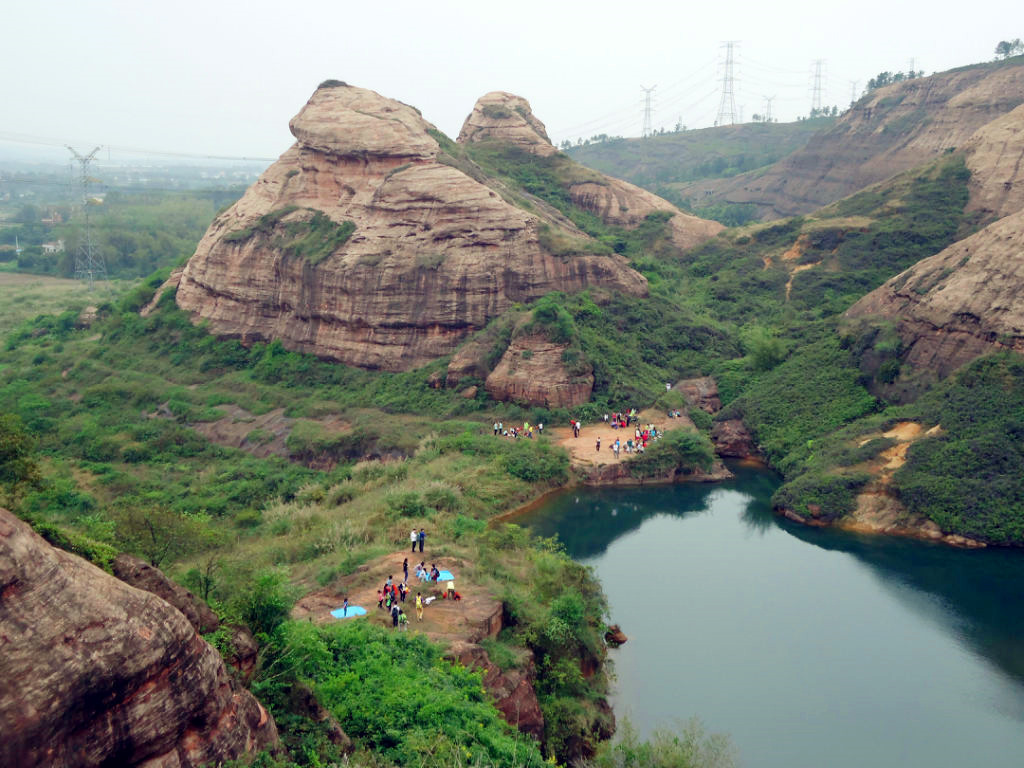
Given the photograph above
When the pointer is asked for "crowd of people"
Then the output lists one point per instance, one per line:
(514, 431)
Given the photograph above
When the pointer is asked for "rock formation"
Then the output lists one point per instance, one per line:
(434, 253)
(532, 371)
(960, 303)
(97, 673)
(890, 130)
(701, 393)
(504, 118)
(141, 575)
(995, 157)
(733, 440)
(513, 691)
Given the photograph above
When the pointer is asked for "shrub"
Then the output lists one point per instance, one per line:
(537, 461)
(679, 449)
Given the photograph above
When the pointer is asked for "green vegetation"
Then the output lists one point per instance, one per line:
(312, 235)
(665, 161)
(679, 448)
(135, 233)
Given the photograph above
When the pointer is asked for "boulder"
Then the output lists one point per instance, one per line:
(532, 371)
(98, 673)
(615, 636)
(733, 440)
(701, 393)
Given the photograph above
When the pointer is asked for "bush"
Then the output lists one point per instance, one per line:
(537, 461)
(408, 504)
(679, 449)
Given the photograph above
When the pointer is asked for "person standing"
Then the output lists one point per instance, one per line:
(394, 614)
(419, 607)
(598, 443)
(422, 538)
(413, 538)
(344, 608)
(405, 570)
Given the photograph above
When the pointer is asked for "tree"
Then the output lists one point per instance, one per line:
(158, 534)
(1007, 48)
(18, 468)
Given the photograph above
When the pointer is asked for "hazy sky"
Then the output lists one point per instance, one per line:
(225, 77)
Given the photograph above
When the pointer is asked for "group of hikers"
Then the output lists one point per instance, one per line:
(392, 595)
(527, 430)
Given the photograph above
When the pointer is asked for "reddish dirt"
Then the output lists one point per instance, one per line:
(583, 449)
(476, 616)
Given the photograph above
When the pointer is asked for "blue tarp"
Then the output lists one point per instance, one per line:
(353, 610)
(445, 576)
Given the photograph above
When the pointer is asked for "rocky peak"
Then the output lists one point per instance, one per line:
(340, 119)
(505, 117)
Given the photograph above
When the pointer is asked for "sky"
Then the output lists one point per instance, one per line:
(224, 78)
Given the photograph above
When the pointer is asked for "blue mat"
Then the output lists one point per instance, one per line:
(445, 576)
(353, 610)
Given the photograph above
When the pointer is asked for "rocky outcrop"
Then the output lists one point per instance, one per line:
(890, 130)
(363, 243)
(532, 371)
(615, 636)
(512, 690)
(963, 302)
(505, 117)
(625, 205)
(141, 575)
(98, 673)
(733, 440)
(701, 393)
(995, 157)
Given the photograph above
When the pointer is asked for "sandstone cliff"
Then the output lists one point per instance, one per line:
(97, 673)
(364, 243)
(960, 303)
(995, 158)
(506, 119)
(888, 131)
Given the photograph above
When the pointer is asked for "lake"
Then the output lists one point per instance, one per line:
(808, 647)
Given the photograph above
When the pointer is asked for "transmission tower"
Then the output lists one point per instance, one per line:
(88, 262)
(727, 107)
(648, 128)
(816, 86)
(768, 108)
(853, 92)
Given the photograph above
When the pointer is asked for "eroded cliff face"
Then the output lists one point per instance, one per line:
(963, 302)
(995, 157)
(434, 254)
(98, 673)
(532, 371)
(889, 131)
(507, 119)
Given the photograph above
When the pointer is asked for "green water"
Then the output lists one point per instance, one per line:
(810, 648)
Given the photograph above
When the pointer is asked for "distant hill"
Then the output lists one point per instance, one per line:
(890, 130)
(666, 163)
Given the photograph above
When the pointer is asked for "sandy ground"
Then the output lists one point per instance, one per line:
(583, 449)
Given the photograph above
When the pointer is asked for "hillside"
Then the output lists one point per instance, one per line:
(892, 129)
(666, 163)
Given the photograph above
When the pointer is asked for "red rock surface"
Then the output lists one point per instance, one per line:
(733, 440)
(701, 393)
(532, 371)
(435, 253)
(960, 303)
(97, 673)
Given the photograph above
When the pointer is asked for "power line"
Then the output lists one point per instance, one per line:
(89, 264)
(727, 107)
(816, 86)
(21, 138)
(648, 128)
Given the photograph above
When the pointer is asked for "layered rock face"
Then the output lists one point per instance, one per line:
(995, 157)
(532, 371)
(891, 130)
(97, 673)
(434, 254)
(507, 119)
(963, 302)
